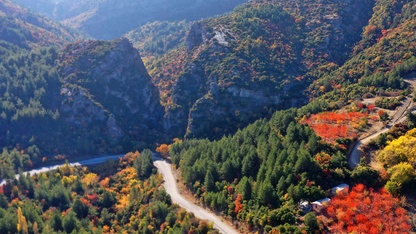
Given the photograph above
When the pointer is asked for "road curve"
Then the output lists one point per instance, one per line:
(355, 154)
(170, 185)
(398, 117)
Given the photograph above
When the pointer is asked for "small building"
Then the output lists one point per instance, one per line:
(304, 206)
(320, 204)
(340, 189)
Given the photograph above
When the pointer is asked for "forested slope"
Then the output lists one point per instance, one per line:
(60, 102)
(236, 68)
(64, 100)
(258, 175)
(27, 30)
(119, 196)
(383, 57)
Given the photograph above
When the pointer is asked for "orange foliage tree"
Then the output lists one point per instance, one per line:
(366, 211)
(238, 204)
(163, 150)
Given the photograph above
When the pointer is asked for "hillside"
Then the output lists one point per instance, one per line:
(78, 200)
(259, 177)
(234, 69)
(93, 97)
(110, 19)
(263, 106)
(157, 38)
(28, 30)
(379, 62)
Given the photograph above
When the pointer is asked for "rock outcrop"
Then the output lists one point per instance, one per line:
(106, 84)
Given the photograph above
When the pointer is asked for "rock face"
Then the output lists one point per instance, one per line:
(109, 19)
(105, 84)
(196, 35)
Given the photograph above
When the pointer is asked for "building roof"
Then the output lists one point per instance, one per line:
(322, 201)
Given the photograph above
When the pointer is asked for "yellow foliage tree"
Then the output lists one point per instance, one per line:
(399, 156)
(21, 222)
(90, 179)
(65, 169)
(402, 173)
(68, 180)
(400, 150)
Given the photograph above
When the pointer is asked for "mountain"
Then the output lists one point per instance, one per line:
(106, 88)
(110, 19)
(378, 63)
(157, 38)
(233, 69)
(91, 97)
(28, 30)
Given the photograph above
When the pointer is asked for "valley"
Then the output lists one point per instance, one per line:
(274, 116)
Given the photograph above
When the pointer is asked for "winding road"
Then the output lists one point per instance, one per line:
(398, 117)
(170, 185)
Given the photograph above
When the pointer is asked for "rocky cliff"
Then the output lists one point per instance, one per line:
(106, 88)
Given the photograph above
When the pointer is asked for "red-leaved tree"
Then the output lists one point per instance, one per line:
(366, 211)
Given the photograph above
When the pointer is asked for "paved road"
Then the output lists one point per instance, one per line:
(78, 163)
(170, 185)
(355, 154)
(398, 117)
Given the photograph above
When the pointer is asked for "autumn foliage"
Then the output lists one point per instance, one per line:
(331, 126)
(366, 211)
(238, 204)
(163, 150)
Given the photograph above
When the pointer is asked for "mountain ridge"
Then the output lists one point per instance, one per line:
(96, 18)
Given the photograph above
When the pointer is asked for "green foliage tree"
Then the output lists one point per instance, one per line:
(311, 222)
(80, 209)
(144, 164)
(70, 222)
(55, 222)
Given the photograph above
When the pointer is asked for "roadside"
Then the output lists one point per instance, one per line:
(170, 184)
(397, 116)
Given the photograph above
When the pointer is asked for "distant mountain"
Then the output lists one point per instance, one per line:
(110, 19)
(233, 69)
(25, 29)
(157, 38)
